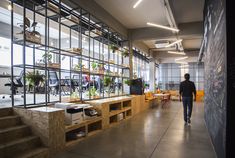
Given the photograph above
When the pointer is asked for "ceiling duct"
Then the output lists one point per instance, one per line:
(161, 44)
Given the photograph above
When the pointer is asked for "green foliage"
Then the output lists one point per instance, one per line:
(107, 81)
(74, 95)
(113, 47)
(46, 58)
(128, 82)
(125, 53)
(92, 91)
(94, 65)
(34, 79)
(76, 67)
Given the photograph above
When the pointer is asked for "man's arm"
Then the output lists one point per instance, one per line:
(181, 90)
(194, 91)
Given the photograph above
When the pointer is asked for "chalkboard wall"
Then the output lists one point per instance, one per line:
(215, 73)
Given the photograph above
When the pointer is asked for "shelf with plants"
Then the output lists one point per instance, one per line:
(80, 57)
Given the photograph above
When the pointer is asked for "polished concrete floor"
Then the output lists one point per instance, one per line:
(155, 133)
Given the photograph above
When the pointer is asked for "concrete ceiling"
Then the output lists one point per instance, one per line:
(147, 11)
(187, 14)
(192, 43)
(187, 10)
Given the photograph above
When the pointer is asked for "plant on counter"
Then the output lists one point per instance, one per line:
(92, 92)
(128, 82)
(125, 53)
(74, 95)
(113, 47)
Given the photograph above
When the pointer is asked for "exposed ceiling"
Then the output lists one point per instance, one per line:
(192, 43)
(147, 11)
(187, 10)
(184, 12)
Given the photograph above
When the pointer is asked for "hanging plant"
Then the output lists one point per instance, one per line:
(114, 48)
(125, 53)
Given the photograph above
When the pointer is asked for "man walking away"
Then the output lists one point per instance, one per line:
(187, 89)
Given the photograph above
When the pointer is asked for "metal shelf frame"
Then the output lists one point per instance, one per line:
(87, 27)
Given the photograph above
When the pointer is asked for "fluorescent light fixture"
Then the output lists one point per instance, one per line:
(9, 6)
(179, 53)
(169, 45)
(163, 27)
(181, 58)
(183, 66)
(181, 62)
(137, 3)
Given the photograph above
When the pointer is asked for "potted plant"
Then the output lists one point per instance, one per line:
(107, 81)
(46, 58)
(125, 53)
(128, 82)
(29, 30)
(114, 48)
(92, 92)
(101, 68)
(34, 79)
(77, 67)
(74, 95)
(94, 65)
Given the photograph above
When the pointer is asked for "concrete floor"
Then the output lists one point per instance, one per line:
(155, 133)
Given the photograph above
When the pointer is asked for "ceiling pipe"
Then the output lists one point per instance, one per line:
(200, 56)
(171, 20)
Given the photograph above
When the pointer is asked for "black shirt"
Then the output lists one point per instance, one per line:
(187, 88)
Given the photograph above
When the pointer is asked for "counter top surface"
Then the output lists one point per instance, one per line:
(107, 100)
(46, 109)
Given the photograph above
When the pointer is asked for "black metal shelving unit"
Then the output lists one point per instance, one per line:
(74, 45)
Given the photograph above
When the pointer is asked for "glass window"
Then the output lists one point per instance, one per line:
(170, 75)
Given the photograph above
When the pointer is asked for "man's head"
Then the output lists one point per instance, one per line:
(187, 76)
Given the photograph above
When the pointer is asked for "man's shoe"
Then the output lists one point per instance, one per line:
(185, 123)
(189, 121)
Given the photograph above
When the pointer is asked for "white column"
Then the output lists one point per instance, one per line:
(152, 75)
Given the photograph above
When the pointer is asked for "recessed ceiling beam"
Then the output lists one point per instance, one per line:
(151, 33)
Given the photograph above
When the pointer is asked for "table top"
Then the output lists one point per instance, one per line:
(161, 95)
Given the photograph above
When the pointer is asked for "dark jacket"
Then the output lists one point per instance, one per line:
(187, 88)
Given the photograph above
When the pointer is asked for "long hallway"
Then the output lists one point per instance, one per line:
(156, 133)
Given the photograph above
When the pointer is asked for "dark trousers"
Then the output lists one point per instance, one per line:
(188, 106)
